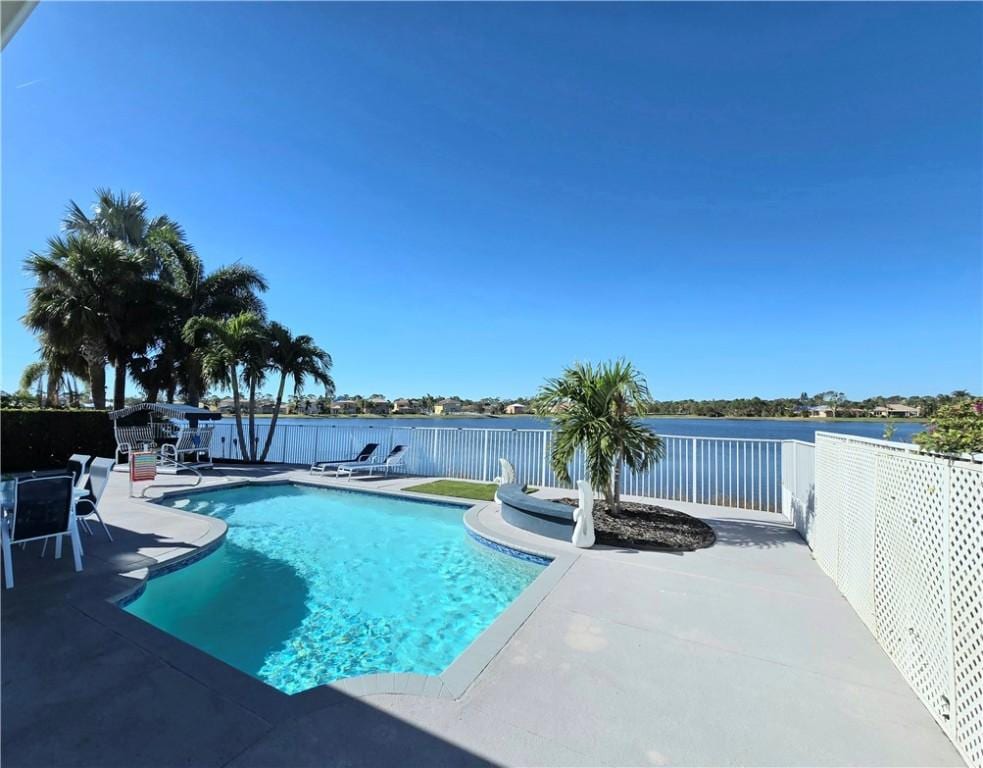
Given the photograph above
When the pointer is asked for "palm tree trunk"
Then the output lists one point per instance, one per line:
(615, 497)
(192, 392)
(252, 418)
(94, 352)
(119, 384)
(52, 394)
(235, 404)
(97, 382)
(276, 413)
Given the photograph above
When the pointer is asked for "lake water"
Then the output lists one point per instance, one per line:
(781, 429)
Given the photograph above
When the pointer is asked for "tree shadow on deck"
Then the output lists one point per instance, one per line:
(735, 532)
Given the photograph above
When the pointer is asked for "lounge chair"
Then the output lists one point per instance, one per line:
(95, 483)
(78, 464)
(43, 509)
(332, 466)
(394, 462)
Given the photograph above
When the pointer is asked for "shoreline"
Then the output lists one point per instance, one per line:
(494, 417)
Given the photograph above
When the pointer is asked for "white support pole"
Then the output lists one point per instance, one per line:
(693, 474)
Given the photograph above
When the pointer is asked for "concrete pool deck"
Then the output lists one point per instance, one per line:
(741, 654)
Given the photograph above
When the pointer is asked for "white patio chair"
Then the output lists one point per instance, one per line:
(78, 464)
(43, 509)
(96, 482)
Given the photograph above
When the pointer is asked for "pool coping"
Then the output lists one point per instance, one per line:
(452, 683)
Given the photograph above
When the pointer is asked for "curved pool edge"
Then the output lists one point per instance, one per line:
(173, 560)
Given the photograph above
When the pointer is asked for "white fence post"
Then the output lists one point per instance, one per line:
(545, 460)
(484, 458)
(693, 480)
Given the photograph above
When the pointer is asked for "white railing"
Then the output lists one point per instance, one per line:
(901, 534)
(799, 484)
(744, 473)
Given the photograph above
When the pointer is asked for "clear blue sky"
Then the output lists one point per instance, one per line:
(742, 199)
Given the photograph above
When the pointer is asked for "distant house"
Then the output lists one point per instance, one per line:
(815, 411)
(344, 407)
(378, 405)
(447, 406)
(402, 405)
(897, 410)
(516, 409)
(226, 405)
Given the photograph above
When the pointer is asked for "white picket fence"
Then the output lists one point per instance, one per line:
(901, 534)
(744, 473)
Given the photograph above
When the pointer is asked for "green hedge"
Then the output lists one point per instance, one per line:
(44, 439)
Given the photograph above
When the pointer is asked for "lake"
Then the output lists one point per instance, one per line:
(781, 429)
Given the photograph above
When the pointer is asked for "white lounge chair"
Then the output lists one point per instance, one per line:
(95, 482)
(43, 509)
(394, 462)
(365, 454)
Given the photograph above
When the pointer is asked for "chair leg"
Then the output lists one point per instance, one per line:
(58, 547)
(8, 565)
(104, 527)
(44, 547)
(76, 547)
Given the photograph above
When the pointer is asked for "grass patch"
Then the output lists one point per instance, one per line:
(459, 489)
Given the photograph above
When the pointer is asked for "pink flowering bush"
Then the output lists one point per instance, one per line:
(956, 428)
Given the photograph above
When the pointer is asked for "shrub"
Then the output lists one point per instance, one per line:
(956, 428)
(44, 439)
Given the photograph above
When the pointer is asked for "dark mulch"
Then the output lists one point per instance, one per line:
(645, 526)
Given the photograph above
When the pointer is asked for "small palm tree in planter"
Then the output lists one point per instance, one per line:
(597, 408)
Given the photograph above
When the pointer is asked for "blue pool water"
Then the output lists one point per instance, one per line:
(313, 585)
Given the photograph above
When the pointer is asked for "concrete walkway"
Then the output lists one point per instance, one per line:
(742, 654)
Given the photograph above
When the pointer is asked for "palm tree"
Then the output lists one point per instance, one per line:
(187, 291)
(294, 357)
(35, 376)
(596, 408)
(52, 374)
(123, 218)
(226, 348)
(90, 295)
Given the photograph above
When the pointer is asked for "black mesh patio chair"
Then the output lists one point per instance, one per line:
(42, 511)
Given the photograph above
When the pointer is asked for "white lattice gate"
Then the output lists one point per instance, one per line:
(901, 533)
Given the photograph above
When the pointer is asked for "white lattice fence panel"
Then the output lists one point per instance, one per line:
(911, 576)
(824, 533)
(856, 477)
(966, 584)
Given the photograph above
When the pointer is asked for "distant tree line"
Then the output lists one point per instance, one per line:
(794, 406)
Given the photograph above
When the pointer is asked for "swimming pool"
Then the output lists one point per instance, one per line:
(313, 585)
